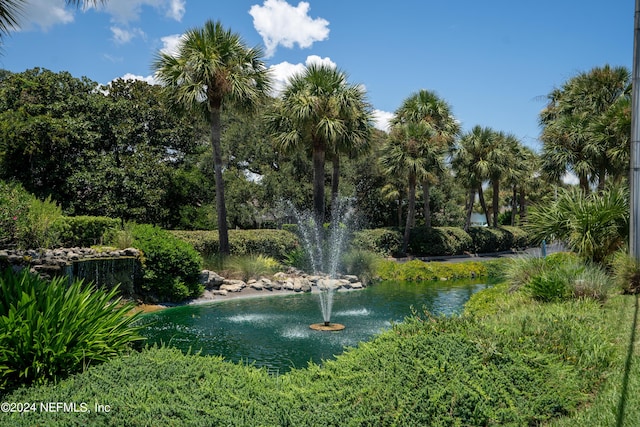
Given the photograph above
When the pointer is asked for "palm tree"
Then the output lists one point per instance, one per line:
(425, 106)
(470, 161)
(502, 156)
(213, 67)
(584, 127)
(405, 155)
(319, 110)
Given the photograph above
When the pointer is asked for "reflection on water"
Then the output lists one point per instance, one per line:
(274, 331)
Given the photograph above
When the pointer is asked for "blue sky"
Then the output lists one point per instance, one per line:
(493, 61)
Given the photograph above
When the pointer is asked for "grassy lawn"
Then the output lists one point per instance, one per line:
(510, 361)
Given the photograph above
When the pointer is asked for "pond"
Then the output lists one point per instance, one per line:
(273, 331)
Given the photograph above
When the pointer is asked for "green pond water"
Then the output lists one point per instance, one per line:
(273, 332)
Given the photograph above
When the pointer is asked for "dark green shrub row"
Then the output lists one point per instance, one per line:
(51, 329)
(382, 241)
(521, 367)
(171, 266)
(436, 241)
(442, 241)
(273, 243)
(85, 231)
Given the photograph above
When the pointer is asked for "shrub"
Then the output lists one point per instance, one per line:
(382, 241)
(14, 206)
(42, 227)
(252, 266)
(361, 263)
(50, 330)
(415, 271)
(272, 243)
(626, 272)
(488, 239)
(87, 231)
(171, 266)
(435, 241)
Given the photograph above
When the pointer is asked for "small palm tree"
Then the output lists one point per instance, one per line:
(214, 67)
(405, 154)
(321, 111)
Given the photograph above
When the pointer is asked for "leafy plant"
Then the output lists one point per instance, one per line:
(50, 330)
(14, 205)
(171, 266)
(42, 227)
(626, 272)
(361, 263)
(252, 266)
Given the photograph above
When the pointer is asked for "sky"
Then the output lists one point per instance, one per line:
(493, 61)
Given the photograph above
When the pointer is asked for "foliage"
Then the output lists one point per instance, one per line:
(171, 266)
(559, 276)
(594, 225)
(251, 266)
(86, 231)
(41, 229)
(489, 239)
(14, 205)
(526, 365)
(415, 271)
(50, 330)
(298, 258)
(271, 243)
(429, 241)
(382, 241)
(361, 263)
(626, 272)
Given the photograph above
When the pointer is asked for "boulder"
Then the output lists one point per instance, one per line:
(210, 279)
(232, 285)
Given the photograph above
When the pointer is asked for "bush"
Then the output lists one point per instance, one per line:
(488, 239)
(415, 271)
(171, 266)
(50, 330)
(251, 266)
(436, 241)
(14, 206)
(42, 228)
(361, 263)
(273, 243)
(382, 241)
(87, 231)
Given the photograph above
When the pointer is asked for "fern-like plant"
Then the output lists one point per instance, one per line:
(51, 329)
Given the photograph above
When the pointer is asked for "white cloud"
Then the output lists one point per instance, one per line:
(570, 178)
(45, 14)
(123, 36)
(279, 23)
(283, 71)
(171, 44)
(381, 119)
(125, 11)
(149, 79)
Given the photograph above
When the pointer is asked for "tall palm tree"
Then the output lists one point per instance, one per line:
(405, 155)
(584, 128)
(321, 111)
(502, 156)
(470, 161)
(425, 106)
(213, 67)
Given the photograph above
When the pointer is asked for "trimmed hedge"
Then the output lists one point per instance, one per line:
(273, 243)
(487, 239)
(86, 230)
(382, 241)
(435, 241)
(417, 271)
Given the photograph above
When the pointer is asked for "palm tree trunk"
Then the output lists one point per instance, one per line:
(514, 205)
(483, 204)
(318, 182)
(427, 203)
(472, 198)
(411, 212)
(221, 209)
(335, 180)
(584, 184)
(521, 202)
(496, 202)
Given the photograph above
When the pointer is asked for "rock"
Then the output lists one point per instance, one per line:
(301, 284)
(327, 284)
(288, 285)
(256, 284)
(211, 279)
(357, 285)
(232, 285)
(351, 278)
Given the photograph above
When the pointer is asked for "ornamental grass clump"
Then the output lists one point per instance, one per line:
(49, 330)
(252, 266)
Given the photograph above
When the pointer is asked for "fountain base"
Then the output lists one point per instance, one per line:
(326, 326)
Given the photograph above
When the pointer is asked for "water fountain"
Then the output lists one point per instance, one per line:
(324, 247)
